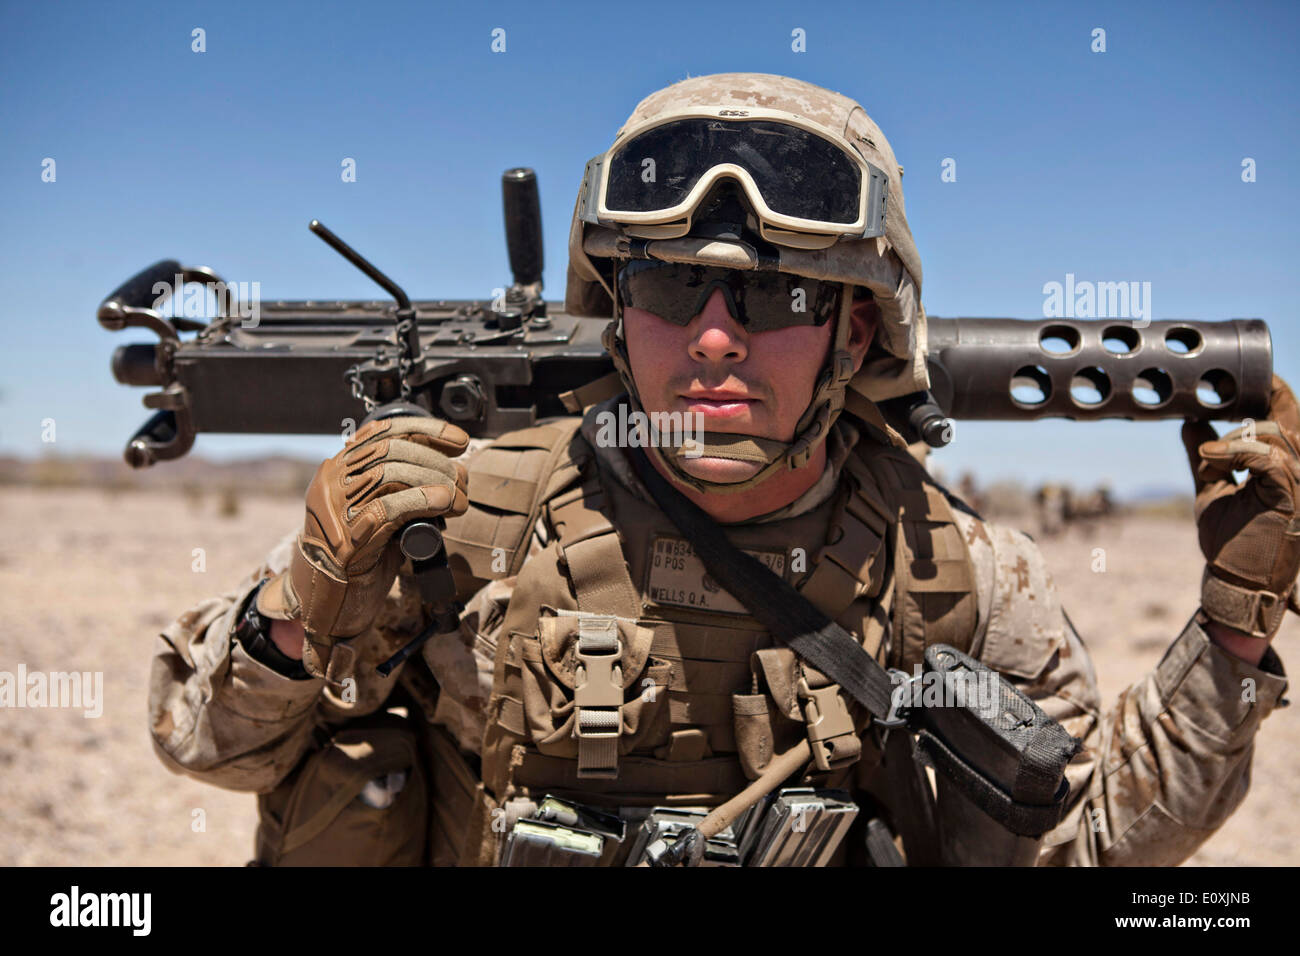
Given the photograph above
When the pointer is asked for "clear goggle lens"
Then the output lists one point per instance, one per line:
(810, 181)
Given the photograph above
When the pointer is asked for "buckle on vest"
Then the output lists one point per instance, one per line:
(834, 742)
(598, 697)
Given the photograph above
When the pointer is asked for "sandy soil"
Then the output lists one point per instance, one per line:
(88, 579)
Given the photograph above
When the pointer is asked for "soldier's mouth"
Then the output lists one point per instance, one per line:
(716, 408)
(718, 404)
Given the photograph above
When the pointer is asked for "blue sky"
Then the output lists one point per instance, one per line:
(1115, 166)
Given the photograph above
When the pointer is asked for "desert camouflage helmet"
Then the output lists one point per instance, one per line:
(887, 264)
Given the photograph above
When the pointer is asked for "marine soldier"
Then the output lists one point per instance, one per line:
(1088, 510)
(1053, 503)
(747, 234)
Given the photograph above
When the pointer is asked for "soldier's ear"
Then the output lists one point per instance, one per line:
(864, 320)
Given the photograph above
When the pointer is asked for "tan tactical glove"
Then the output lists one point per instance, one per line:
(1250, 533)
(393, 471)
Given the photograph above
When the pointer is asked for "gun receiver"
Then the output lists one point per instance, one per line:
(308, 367)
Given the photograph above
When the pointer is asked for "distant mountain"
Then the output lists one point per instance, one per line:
(1149, 493)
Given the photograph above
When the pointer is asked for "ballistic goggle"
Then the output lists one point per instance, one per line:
(760, 301)
(808, 188)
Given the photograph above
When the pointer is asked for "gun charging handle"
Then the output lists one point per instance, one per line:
(523, 211)
(523, 215)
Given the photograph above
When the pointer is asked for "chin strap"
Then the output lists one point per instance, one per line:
(812, 429)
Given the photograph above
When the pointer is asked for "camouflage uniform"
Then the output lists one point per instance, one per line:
(1158, 773)
(1160, 770)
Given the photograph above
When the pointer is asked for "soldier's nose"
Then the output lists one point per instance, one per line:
(716, 335)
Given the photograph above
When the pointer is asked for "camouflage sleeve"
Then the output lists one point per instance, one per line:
(221, 716)
(1168, 762)
(216, 713)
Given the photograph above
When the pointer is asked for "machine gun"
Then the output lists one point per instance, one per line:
(311, 367)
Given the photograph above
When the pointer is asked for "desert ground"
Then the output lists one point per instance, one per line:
(89, 577)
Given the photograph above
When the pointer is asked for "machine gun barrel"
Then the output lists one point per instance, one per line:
(1013, 369)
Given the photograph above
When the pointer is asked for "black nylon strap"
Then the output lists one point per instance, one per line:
(788, 615)
(1031, 820)
(1039, 772)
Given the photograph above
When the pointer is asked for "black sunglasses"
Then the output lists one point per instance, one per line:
(760, 301)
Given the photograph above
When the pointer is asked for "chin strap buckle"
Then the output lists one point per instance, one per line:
(843, 371)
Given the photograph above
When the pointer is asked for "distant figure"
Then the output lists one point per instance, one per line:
(1053, 503)
(1091, 509)
(968, 493)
